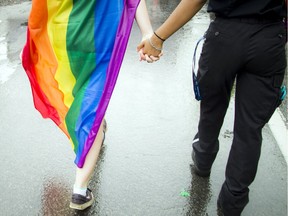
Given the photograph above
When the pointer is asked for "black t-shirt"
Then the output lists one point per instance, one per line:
(248, 8)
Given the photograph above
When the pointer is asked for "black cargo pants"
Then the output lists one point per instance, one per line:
(252, 53)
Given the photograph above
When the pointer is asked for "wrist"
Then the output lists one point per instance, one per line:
(159, 37)
(147, 35)
(155, 44)
(156, 41)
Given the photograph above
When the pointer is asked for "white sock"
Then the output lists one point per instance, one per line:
(81, 191)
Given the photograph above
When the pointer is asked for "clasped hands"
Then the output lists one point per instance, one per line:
(150, 49)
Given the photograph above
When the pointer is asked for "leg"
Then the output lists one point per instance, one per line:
(257, 97)
(217, 70)
(251, 115)
(82, 197)
(84, 174)
(206, 144)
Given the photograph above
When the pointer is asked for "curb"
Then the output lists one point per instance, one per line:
(280, 132)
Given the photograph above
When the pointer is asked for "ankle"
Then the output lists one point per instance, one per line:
(79, 190)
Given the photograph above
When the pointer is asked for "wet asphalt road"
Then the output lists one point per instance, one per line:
(145, 162)
(11, 2)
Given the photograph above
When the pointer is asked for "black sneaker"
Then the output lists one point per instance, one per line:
(80, 202)
(199, 172)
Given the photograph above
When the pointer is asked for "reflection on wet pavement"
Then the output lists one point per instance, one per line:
(56, 194)
(54, 197)
(200, 195)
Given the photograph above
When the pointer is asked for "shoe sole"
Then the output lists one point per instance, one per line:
(82, 206)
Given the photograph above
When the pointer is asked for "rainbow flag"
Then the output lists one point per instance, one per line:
(72, 57)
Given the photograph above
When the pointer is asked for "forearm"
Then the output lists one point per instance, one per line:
(142, 19)
(180, 16)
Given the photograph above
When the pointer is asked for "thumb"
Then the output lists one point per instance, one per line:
(140, 46)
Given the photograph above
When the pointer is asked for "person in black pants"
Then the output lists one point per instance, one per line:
(246, 43)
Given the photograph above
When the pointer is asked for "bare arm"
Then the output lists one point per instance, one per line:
(143, 21)
(179, 17)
